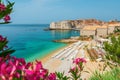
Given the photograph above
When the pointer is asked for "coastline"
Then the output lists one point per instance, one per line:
(48, 56)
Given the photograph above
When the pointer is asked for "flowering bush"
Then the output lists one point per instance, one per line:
(76, 71)
(5, 11)
(17, 69)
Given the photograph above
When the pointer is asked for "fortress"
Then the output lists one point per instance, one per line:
(88, 27)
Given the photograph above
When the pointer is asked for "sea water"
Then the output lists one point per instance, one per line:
(32, 42)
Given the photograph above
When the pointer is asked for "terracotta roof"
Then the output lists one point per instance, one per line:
(118, 24)
(90, 27)
(103, 26)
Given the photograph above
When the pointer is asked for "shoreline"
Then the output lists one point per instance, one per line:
(48, 56)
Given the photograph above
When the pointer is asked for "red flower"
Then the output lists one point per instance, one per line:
(38, 66)
(7, 18)
(2, 7)
(2, 39)
(36, 72)
(74, 69)
(79, 60)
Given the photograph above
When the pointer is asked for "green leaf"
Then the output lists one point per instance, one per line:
(3, 44)
(6, 52)
(61, 76)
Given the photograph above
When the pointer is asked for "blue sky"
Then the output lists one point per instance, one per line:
(47, 11)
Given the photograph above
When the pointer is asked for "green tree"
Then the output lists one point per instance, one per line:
(113, 49)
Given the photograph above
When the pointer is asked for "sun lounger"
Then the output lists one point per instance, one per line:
(69, 52)
(63, 53)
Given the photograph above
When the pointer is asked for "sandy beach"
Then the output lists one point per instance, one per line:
(58, 64)
(56, 61)
(48, 56)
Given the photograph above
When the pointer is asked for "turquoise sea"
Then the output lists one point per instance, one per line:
(32, 42)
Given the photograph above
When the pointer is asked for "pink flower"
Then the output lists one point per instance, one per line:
(17, 75)
(9, 68)
(3, 66)
(7, 18)
(22, 61)
(7, 71)
(29, 74)
(28, 65)
(2, 7)
(79, 60)
(36, 72)
(73, 69)
(2, 39)
(52, 76)
(13, 70)
(43, 73)
(1, 59)
(38, 66)
(35, 75)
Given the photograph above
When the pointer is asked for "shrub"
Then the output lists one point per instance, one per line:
(113, 49)
(114, 74)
